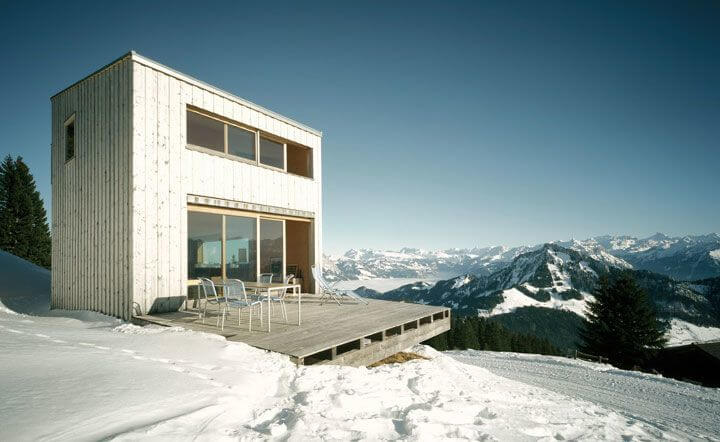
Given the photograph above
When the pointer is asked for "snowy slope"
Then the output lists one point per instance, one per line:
(683, 332)
(637, 396)
(84, 376)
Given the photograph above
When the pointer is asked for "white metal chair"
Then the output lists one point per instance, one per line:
(329, 292)
(236, 297)
(265, 278)
(210, 296)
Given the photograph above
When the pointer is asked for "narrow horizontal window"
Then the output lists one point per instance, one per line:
(272, 153)
(70, 139)
(241, 142)
(205, 132)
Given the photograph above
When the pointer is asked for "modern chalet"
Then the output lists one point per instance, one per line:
(159, 179)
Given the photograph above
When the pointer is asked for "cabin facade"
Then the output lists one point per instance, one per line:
(159, 179)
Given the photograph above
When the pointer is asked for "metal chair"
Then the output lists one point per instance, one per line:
(329, 292)
(210, 296)
(265, 278)
(236, 297)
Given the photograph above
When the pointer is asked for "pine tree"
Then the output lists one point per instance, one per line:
(467, 334)
(621, 323)
(713, 296)
(24, 231)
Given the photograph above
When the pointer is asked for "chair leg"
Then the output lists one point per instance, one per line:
(249, 318)
(284, 310)
(261, 315)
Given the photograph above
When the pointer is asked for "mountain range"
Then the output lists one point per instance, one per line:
(543, 290)
(681, 258)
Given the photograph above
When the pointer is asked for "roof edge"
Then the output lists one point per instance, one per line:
(133, 55)
(97, 71)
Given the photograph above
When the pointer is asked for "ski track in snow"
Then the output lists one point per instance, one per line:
(661, 402)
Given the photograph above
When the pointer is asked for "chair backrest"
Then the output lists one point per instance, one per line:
(289, 278)
(266, 278)
(207, 290)
(236, 289)
(321, 282)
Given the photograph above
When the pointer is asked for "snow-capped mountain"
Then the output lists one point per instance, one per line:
(545, 292)
(417, 263)
(682, 258)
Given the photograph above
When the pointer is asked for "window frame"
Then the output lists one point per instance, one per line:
(258, 134)
(69, 121)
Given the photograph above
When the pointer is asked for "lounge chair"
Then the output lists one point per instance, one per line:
(329, 292)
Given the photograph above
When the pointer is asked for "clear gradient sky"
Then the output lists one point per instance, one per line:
(446, 124)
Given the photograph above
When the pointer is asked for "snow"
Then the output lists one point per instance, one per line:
(461, 281)
(382, 285)
(715, 254)
(680, 409)
(84, 376)
(514, 298)
(682, 332)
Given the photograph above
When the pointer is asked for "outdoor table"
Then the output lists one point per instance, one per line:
(281, 287)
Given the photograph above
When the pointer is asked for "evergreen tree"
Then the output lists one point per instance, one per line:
(713, 296)
(467, 334)
(621, 324)
(24, 231)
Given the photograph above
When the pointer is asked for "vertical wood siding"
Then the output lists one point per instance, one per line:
(91, 197)
(119, 217)
(165, 172)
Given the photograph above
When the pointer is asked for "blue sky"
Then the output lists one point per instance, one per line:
(446, 124)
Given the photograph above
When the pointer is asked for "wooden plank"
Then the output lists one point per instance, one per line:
(175, 197)
(151, 192)
(162, 171)
(138, 187)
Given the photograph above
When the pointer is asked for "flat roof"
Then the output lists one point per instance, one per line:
(133, 55)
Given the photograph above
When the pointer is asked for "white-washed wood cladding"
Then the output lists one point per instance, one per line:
(120, 206)
(171, 171)
(91, 195)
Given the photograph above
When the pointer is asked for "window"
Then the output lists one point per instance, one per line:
(204, 245)
(271, 248)
(70, 138)
(272, 153)
(235, 141)
(205, 132)
(237, 246)
(299, 160)
(241, 142)
(241, 247)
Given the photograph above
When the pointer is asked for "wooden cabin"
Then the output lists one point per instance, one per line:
(159, 179)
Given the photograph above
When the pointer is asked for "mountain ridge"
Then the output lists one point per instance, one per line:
(686, 257)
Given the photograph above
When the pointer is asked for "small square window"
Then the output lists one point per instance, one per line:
(70, 138)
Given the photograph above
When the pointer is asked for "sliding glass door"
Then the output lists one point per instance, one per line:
(238, 247)
(272, 248)
(204, 245)
(241, 248)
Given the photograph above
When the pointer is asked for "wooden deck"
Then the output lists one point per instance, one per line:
(350, 334)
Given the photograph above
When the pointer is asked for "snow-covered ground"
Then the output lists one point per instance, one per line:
(682, 332)
(652, 400)
(84, 376)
